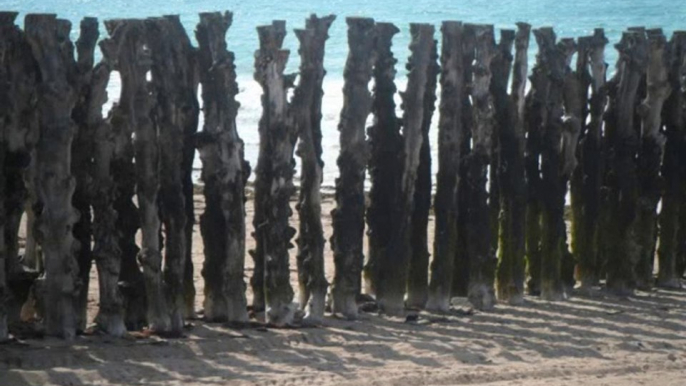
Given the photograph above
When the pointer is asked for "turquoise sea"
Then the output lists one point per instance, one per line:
(570, 19)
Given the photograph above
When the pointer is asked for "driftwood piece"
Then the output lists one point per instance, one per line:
(306, 113)
(673, 212)
(623, 142)
(418, 279)
(450, 132)
(510, 172)
(385, 146)
(274, 176)
(172, 74)
(586, 181)
(650, 155)
(224, 174)
(119, 55)
(81, 162)
(462, 269)
(49, 40)
(348, 216)
(394, 265)
(482, 258)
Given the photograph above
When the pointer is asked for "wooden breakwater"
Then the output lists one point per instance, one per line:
(507, 158)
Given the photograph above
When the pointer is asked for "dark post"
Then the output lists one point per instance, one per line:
(511, 245)
(348, 217)
(650, 156)
(224, 174)
(54, 183)
(450, 132)
(306, 110)
(671, 221)
(482, 260)
(587, 178)
(274, 177)
(393, 267)
(418, 279)
(119, 56)
(623, 142)
(385, 142)
(82, 157)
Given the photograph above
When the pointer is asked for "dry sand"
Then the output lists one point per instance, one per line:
(593, 340)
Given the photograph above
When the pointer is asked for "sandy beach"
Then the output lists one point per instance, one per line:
(594, 340)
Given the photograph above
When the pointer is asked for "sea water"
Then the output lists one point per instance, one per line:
(569, 18)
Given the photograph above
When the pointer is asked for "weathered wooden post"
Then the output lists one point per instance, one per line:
(650, 155)
(82, 157)
(449, 133)
(672, 214)
(623, 140)
(224, 174)
(54, 183)
(120, 57)
(138, 100)
(106, 251)
(306, 114)
(535, 116)
(385, 142)
(274, 176)
(482, 259)
(18, 136)
(393, 269)
(461, 269)
(418, 279)
(348, 216)
(558, 148)
(510, 273)
(587, 178)
(172, 79)
(575, 103)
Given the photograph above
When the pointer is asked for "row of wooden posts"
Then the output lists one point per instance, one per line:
(505, 161)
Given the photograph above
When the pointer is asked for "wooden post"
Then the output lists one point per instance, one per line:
(510, 113)
(119, 57)
(461, 270)
(172, 80)
(450, 132)
(650, 156)
(348, 216)
(49, 40)
(418, 279)
(18, 136)
(224, 174)
(587, 179)
(393, 267)
(385, 142)
(306, 114)
(558, 150)
(536, 101)
(106, 250)
(671, 220)
(482, 259)
(82, 157)
(575, 103)
(274, 176)
(623, 147)
(135, 62)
